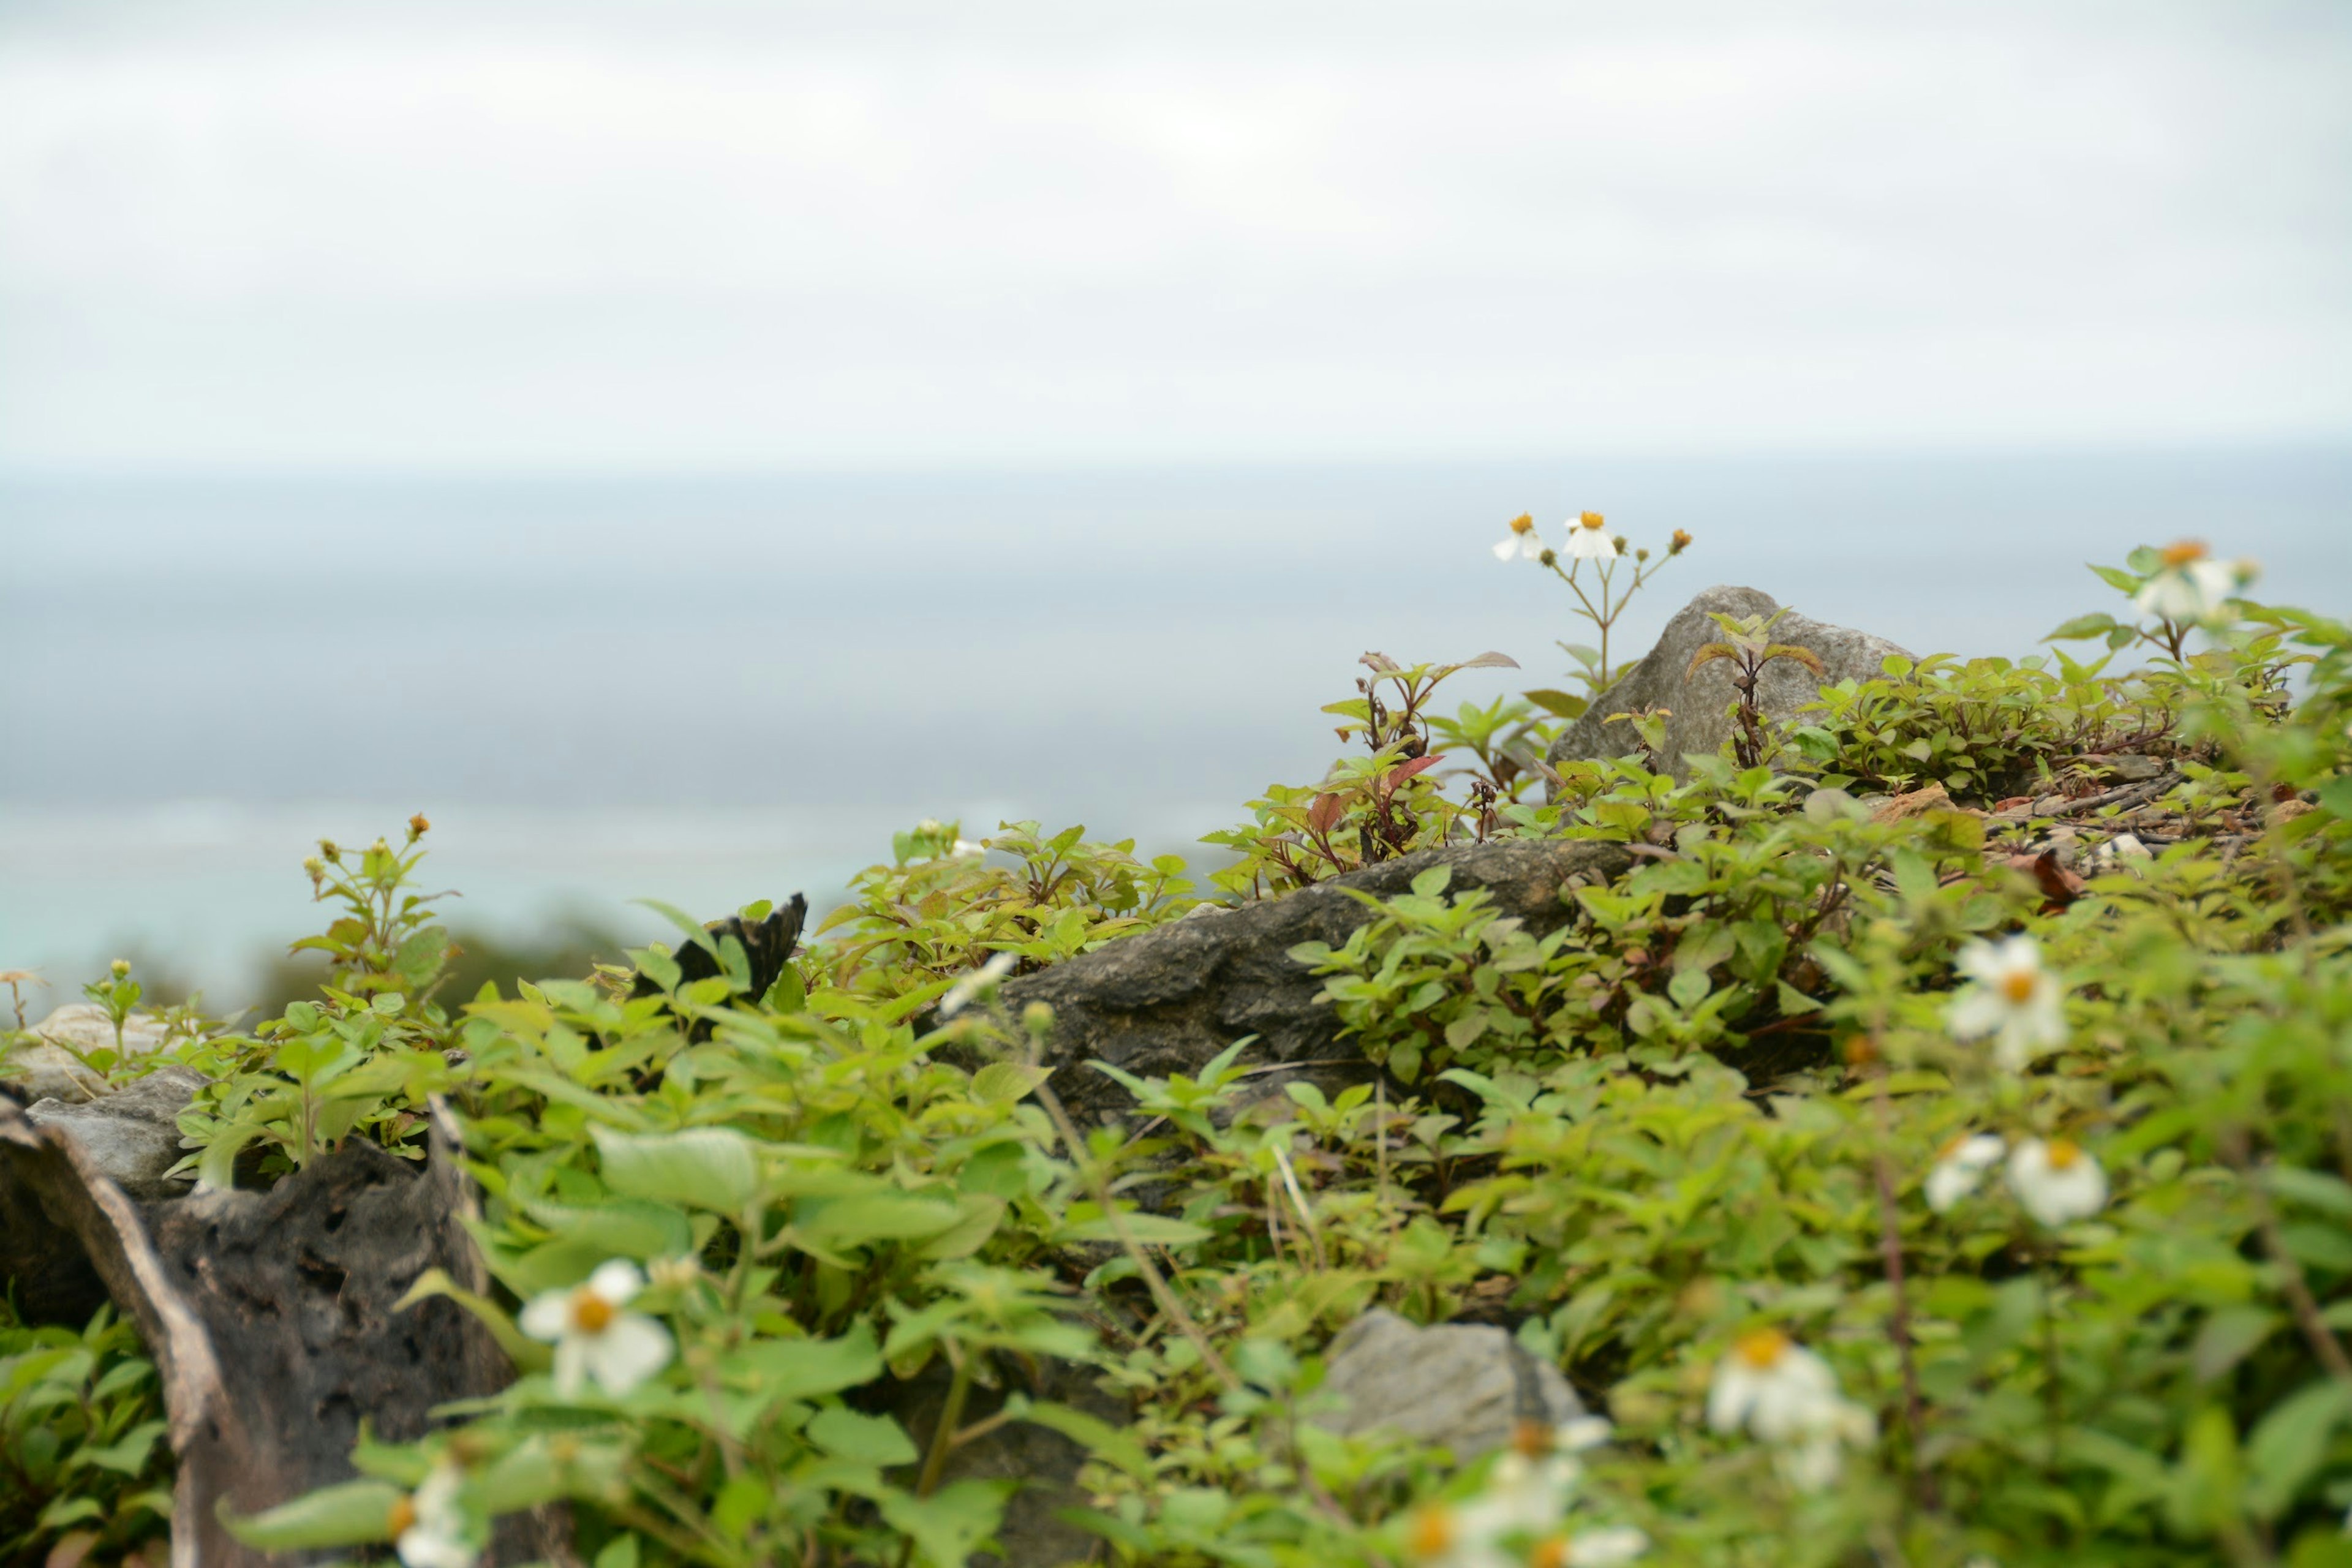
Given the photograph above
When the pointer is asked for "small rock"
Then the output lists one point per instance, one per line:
(1700, 706)
(1916, 802)
(2288, 810)
(2066, 843)
(2124, 767)
(1463, 1386)
(134, 1134)
(49, 1071)
(2122, 846)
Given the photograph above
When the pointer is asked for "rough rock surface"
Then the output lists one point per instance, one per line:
(1701, 706)
(1169, 999)
(130, 1138)
(1461, 1386)
(47, 1071)
(133, 1134)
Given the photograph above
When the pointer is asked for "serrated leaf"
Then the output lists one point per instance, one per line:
(701, 1167)
(1002, 1083)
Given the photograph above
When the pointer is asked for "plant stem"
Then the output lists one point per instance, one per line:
(1890, 1247)
(2292, 1283)
(943, 1435)
(2052, 1394)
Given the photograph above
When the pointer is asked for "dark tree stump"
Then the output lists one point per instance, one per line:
(270, 1318)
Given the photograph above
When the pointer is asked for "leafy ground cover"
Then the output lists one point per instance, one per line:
(1934, 1151)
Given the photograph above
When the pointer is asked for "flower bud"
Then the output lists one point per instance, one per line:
(1643, 553)
(327, 846)
(1546, 558)
(120, 967)
(379, 847)
(418, 826)
(1619, 542)
(1680, 543)
(1038, 1018)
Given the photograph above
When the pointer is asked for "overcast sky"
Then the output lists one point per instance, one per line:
(580, 236)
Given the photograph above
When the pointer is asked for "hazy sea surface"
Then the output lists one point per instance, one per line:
(715, 689)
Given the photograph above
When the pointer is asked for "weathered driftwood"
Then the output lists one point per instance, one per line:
(1168, 1000)
(270, 1317)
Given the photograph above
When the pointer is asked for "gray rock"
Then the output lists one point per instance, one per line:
(1701, 707)
(1461, 1386)
(131, 1136)
(49, 1071)
(1169, 999)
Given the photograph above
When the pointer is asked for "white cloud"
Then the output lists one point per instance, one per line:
(584, 237)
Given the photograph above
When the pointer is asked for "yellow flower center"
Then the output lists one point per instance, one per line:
(400, 1517)
(1591, 519)
(1761, 1348)
(590, 1313)
(2018, 986)
(1523, 523)
(1531, 1439)
(1552, 1553)
(2063, 1154)
(2182, 553)
(1951, 1149)
(1433, 1532)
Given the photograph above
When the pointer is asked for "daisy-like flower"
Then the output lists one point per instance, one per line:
(1960, 1167)
(2014, 998)
(2191, 586)
(1785, 1394)
(428, 1528)
(1589, 540)
(981, 981)
(594, 1338)
(1589, 1549)
(2058, 1180)
(1451, 1535)
(1520, 543)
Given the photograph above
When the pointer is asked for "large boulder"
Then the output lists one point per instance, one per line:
(1168, 1000)
(1701, 704)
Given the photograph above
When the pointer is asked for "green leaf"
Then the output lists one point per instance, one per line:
(2229, 1336)
(350, 1514)
(630, 1227)
(127, 1454)
(805, 1369)
(2093, 625)
(878, 1217)
(1002, 1083)
(702, 1167)
(2312, 1189)
(2335, 795)
(1562, 704)
(2289, 1443)
(948, 1526)
(1146, 1229)
(869, 1439)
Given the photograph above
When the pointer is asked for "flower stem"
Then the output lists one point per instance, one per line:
(1890, 1247)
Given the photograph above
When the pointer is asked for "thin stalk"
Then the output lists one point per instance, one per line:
(1166, 1299)
(1890, 1247)
(943, 1435)
(2308, 1317)
(2054, 1395)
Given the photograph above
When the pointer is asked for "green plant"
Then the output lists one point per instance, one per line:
(82, 1460)
(1587, 540)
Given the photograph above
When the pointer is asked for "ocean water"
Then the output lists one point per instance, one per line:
(713, 690)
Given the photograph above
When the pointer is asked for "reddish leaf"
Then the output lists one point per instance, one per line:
(1325, 811)
(2058, 885)
(1404, 771)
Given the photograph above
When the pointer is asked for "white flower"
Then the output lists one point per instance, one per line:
(594, 1338)
(1584, 1432)
(2014, 997)
(968, 989)
(2058, 1182)
(1588, 540)
(1787, 1395)
(963, 848)
(1589, 1549)
(2191, 586)
(431, 1530)
(1960, 1167)
(1520, 543)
